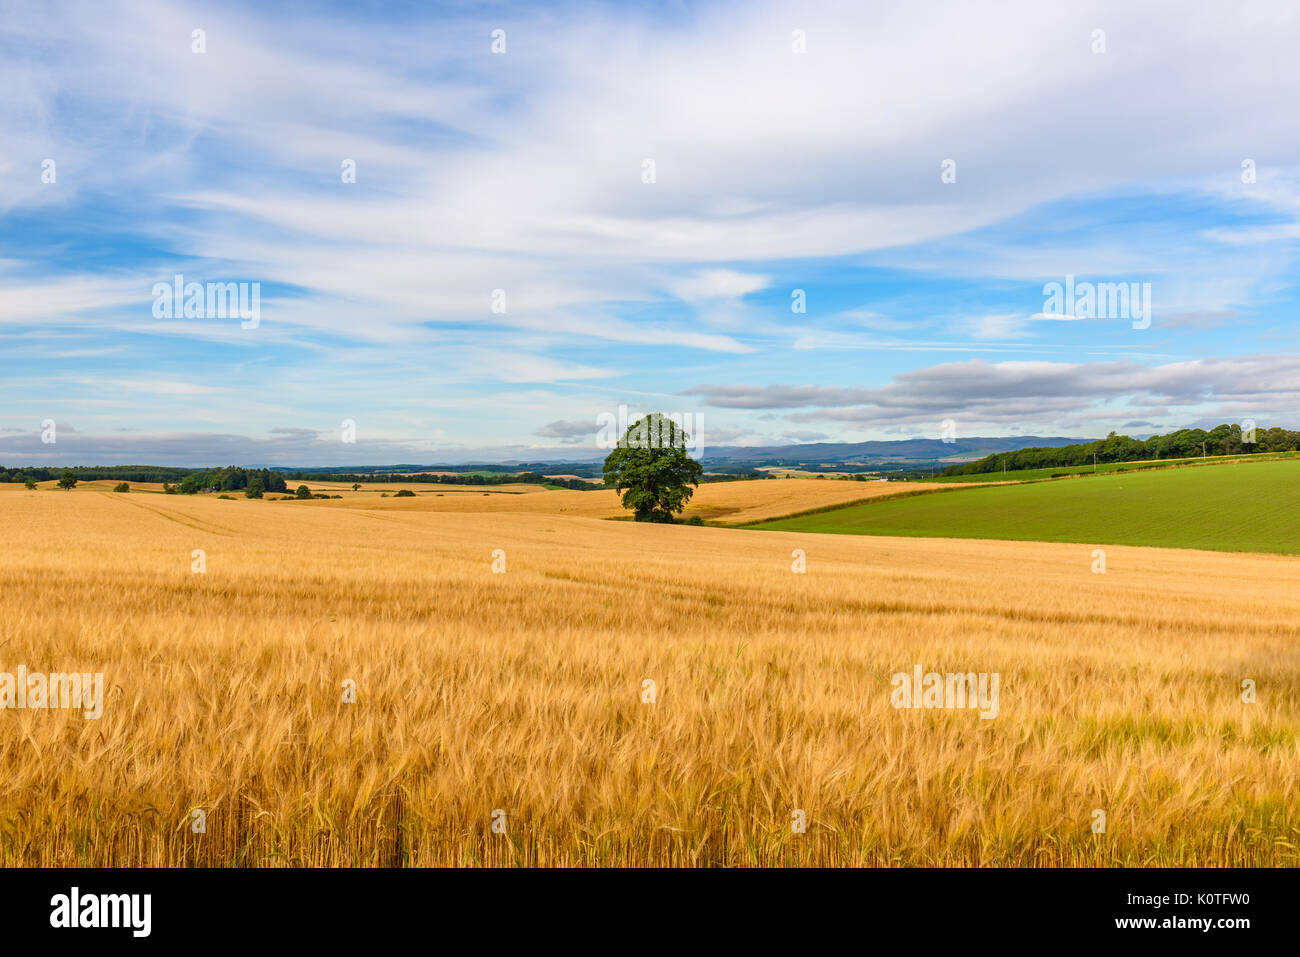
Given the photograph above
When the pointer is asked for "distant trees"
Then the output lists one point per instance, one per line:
(453, 478)
(651, 470)
(92, 473)
(1185, 443)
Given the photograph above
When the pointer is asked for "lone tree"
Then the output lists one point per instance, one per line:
(67, 480)
(651, 469)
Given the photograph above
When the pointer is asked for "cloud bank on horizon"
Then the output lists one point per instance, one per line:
(472, 230)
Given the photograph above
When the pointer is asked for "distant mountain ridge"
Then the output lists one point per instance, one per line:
(924, 455)
(919, 451)
(901, 450)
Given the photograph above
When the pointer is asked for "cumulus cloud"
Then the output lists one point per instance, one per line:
(1005, 392)
(572, 430)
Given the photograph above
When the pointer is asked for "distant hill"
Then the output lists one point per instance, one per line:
(901, 452)
(928, 455)
(880, 453)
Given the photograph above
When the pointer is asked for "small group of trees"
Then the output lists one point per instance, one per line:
(232, 478)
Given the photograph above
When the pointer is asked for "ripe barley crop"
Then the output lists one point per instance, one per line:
(523, 692)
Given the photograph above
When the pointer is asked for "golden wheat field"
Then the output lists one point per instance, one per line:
(516, 697)
(728, 502)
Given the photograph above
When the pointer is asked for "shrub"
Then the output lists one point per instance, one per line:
(406, 493)
(694, 520)
(30, 484)
(121, 487)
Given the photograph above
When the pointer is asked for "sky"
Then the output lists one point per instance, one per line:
(475, 228)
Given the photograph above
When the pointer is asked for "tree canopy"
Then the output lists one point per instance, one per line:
(651, 470)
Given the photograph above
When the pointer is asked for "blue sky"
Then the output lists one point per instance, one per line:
(524, 171)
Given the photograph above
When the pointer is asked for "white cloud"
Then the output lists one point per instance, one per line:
(717, 284)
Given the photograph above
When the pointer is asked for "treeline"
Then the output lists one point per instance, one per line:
(232, 478)
(580, 469)
(91, 473)
(508, 478)
(1185, 443)
(740, 476)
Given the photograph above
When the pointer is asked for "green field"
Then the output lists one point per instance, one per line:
(1027, 475)
(1236, 507)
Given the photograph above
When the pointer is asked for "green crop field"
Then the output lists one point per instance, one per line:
(1238, 507)
(1027, 475)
